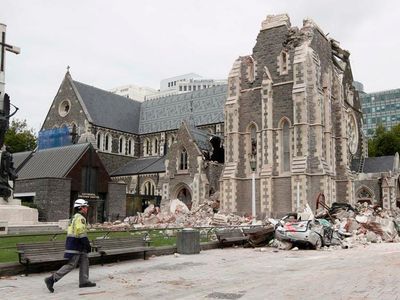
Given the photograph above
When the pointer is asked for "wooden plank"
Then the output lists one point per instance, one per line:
(125, 250)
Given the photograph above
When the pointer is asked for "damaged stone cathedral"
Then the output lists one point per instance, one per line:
(290, 107)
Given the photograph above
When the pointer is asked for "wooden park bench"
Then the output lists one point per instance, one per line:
(31, 253)
(231, 236)
(42, 252)
(118, 246)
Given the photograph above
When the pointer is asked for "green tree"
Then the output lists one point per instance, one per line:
(384, 142)
(19, 137)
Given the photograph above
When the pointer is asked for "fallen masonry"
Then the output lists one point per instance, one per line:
(338, 226)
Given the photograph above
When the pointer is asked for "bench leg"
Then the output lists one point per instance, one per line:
(27, 269)
(101, 259)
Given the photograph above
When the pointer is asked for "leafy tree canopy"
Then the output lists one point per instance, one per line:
(384, 142)
(19, 137)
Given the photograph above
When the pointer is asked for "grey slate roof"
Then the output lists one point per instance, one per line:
(378, 164)
(20, 158)
(110, 110)
(167, 113)
(201, 138)
(375, 164)
(52, 162)
(142, 166)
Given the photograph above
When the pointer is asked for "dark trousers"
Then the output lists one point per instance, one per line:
(83, 261)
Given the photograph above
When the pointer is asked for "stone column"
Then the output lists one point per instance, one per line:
(267, 149)
(232, 136)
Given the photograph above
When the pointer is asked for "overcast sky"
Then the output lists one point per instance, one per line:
(112, 43)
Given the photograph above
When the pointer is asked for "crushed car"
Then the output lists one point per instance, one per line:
(310, 233)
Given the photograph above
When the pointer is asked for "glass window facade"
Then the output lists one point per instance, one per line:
(380, 108)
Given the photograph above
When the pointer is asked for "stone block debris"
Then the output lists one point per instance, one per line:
(341, 224)
(176, 215)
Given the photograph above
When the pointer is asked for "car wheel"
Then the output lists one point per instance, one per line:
(318, 243)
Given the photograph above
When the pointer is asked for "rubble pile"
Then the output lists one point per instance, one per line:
(176, 215)
(368, 224)
(340, 224)
(111, 226)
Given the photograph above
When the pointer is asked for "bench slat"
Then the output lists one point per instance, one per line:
(125, 250)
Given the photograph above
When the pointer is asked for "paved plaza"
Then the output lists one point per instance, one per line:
(233, 273)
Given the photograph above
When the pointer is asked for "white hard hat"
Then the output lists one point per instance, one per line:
(80, 203)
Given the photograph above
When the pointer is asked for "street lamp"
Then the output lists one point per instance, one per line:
(253, 163)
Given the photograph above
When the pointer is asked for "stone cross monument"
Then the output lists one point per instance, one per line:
(7, 172)
(11, 211)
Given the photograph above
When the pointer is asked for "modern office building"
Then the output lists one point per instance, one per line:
(134, 92)
(183, 84)
(380, 108)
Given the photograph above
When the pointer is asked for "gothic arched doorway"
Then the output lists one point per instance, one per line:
(183, 193)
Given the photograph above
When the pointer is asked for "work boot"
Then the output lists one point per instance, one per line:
(87, 284)
(49, 281)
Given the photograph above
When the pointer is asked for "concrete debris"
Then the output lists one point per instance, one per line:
(343, 226)
(262, 249)
(176, 215)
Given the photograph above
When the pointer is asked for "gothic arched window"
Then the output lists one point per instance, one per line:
(283, 63)
(285, 146)
(107, 143)
(100, 141)
(149, 188)
(147, 147)
(130, 147)
(155, 146)
(364, 194)
(121, 146)
(253, 139)
(183, 162)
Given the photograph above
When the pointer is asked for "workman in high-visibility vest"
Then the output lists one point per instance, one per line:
(77, 247)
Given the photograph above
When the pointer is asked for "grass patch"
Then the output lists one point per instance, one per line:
(158, 237)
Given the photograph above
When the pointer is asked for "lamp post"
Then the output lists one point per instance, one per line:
(253, 164)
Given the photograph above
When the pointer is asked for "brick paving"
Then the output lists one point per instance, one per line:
(233, 273)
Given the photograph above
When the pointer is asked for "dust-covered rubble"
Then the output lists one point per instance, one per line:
(348, 226)
(177, 215)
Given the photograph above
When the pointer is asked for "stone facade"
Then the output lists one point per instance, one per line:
(116, 201)
(189, 180)
(52, 196)
(291, 105)
(379, 184)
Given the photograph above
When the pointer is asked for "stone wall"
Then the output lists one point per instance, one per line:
(282, 202)
(213, 171)
(52, 196)
(373, 186)
(116, 201)
(289, 88)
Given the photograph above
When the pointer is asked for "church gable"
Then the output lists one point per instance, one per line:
(66, 108)
(184, 152)
(109, 110)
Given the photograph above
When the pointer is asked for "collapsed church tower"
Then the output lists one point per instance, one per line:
(292, 107)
